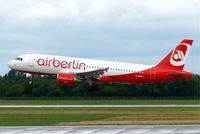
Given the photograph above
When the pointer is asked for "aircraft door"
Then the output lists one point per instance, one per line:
(152, 73)
(30, 62)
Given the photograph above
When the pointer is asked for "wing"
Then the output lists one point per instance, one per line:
(91, 74)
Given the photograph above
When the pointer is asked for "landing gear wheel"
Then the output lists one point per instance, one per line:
(30, 82)
(93, 88)
(90, 89)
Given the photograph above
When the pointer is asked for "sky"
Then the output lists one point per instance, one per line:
(136, 31)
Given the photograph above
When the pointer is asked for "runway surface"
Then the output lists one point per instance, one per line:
(126, 129)
(88, 106)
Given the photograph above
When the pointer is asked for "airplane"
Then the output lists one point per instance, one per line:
(70, 70)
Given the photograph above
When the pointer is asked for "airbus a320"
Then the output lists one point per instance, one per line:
(70, 70)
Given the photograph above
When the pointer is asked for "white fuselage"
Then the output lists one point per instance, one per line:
(50, 64)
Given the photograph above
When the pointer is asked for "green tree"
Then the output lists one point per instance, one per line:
(12, 74)
(14, 90)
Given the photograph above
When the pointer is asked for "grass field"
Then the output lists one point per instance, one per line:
(97, 102)
(97, 116)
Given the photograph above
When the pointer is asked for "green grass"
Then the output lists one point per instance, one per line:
(43, 120)
(97, 116)
(97, 102)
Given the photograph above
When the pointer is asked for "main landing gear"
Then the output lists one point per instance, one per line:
(93, 87)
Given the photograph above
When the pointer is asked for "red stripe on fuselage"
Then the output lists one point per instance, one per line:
(152, 75)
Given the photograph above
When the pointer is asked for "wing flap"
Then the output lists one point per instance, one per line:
(91, 74)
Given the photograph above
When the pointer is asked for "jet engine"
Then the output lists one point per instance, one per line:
(66, 79)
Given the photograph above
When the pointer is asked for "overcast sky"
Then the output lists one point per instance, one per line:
(137, 31)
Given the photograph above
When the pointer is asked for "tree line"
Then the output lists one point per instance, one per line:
(15, 84)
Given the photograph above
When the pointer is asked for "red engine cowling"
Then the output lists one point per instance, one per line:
(66, 79)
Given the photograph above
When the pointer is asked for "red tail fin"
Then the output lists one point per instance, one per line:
(176, 59)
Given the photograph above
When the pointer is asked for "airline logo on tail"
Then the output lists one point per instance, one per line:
(179, 54)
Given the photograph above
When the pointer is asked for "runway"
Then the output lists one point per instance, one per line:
(100, 106)
(115, 129)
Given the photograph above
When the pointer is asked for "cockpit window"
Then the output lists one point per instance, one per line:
(19, 59)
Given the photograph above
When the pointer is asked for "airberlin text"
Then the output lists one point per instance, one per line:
(74, 64)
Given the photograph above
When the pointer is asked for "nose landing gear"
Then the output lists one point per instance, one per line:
(30, 82)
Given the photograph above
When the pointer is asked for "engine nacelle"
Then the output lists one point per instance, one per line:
(66, 79)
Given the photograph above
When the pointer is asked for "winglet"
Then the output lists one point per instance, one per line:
(106, 69)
